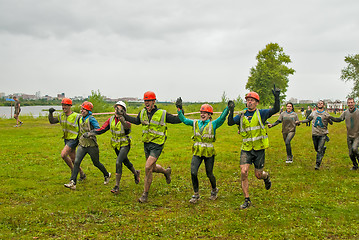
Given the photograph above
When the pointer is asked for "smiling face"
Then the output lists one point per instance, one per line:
(351, 103)
(320, 105)
(119, 110)
(252, 104)
(205, 116)
(66, 108)
(289, 107)
(84, 112)
(150, 104)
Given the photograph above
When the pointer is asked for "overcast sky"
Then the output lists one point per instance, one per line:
(196, 49)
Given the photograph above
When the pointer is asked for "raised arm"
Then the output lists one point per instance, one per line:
(52, 119)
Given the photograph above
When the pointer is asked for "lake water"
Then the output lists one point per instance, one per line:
(35, 111)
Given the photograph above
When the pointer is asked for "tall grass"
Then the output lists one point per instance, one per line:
(302, 204)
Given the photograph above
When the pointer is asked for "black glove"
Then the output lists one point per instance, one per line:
(179, 103)
(231, 105)
(276, 91)
(51, 110)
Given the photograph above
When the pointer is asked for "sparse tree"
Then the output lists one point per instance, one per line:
(351, 73)
(271, 69)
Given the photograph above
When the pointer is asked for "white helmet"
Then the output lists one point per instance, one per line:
(121, 104)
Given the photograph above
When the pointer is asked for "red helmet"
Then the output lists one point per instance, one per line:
(206, 108)
(149, 96)
(87, 105)
(66, 101)
(253, 95)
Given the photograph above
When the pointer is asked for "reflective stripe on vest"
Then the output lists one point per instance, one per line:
(154, 130)
(119, 138)
(85, 126)
(69, 125)
(254, 133)
(203, 140)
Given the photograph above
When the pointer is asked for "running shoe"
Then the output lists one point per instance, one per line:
(71, 185)
(107, 179)
(194, 198)
(246, 204)
(115, 189)
(82, 178)
(143, 198)
(168, 175)
(267, 183)
(21, 124)
(214, 194)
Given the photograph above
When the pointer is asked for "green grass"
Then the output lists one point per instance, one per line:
(302, 204)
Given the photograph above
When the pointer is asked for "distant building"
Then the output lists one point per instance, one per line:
(305, 101)
(334, 106)
(60, 95)
(2, 94)
(293, 100)
(28, 97)
(38, 95)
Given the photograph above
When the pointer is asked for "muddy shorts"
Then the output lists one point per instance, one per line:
(253, 157)
(153, 149)
(72, 143)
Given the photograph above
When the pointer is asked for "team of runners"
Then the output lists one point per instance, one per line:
(80, 130)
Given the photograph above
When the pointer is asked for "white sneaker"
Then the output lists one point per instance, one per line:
(71, 185)
(107, 179)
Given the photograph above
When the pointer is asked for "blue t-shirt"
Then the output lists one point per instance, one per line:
(93, 122)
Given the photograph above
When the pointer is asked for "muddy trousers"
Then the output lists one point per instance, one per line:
(287, 137)
(209, 163)
(95, 157)
(353, 144)
(123, 159)
(319, 147)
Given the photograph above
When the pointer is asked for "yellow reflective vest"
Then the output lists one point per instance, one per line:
(69, 125)
(203, 140)
(154, 131)
(254, 133)
(119, 137)
(85, 126)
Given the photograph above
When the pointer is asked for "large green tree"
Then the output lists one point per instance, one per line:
(351, 73)
(271, 69)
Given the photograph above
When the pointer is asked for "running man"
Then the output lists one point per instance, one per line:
(255, 139)
(320, 119)
(203, 150)
(87, 145)
(289, 120)
(70, 126)
(17, 112)
(351, 117)
(154, 135)
(120, 142)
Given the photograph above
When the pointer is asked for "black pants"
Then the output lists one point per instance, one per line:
(95, 157)
(209, 163)
(319, 147)
(122, 158)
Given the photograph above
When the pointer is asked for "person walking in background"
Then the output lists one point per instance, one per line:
(87, 145)
(204, 134)
(154, 134)
(289, 120)
(302, 111)
(351, 117)
(307, 113)
(255, 139)
(17, 112)
(321, 119)
(70, 127)
(120, 142)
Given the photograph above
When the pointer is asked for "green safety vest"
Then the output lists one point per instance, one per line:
(203, 140)
(69, 125)
(254, 133)
(154, 131)
(85, 126)
(119, 138)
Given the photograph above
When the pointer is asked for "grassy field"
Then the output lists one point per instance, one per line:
(302, 203)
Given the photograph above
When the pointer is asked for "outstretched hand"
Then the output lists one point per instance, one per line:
(275, 91)
(231, 105)
(179, 103)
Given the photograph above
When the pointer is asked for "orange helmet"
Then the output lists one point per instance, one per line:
(66, 101)
(253, 95)
(87, 105)
(149, 96)
(206, 108)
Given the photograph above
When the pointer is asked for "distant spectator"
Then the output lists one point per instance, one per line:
(17, 112)
(307, 113)
(302, 111)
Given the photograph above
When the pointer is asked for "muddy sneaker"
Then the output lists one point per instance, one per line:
(16, 125)
(267, 183)
(107, 179)
(168, 175)
(194, 198)
(21, 124)
(82, 178)
(115, 190)
(143, 198)
(214, 194)
(354, 168)
(71, 185)
(289, 160)
(246, 204)
(137, 176)
(317, 166)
